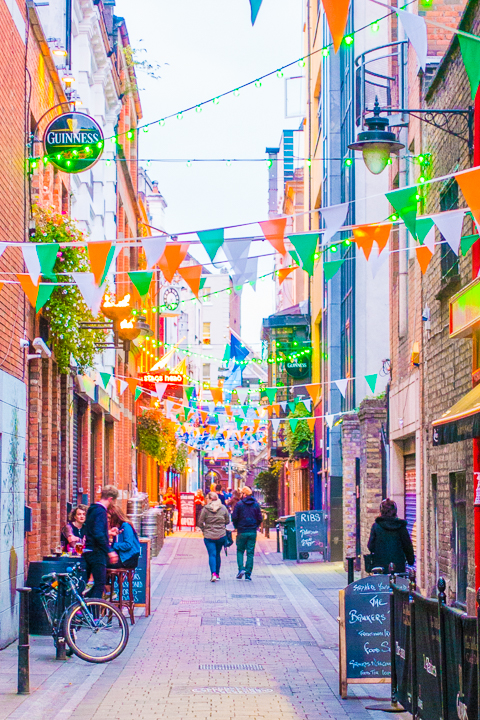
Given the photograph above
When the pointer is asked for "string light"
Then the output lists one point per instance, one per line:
(348, 39)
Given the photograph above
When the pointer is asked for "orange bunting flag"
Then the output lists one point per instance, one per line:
(364, 235)
(311, 423)
(172, 258)
(337, 16)
(29, 288)
(228, 410)
(470, 186)
(212, 429)
(132, 384)
(424, 255)
(313, 390)
(204, 416)
(276, 408)
(192, 276)
(217, 395)
(98, 253)
(256, 423)
(285, 272)
(274, 231)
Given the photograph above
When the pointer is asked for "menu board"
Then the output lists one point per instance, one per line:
(310, 532)
(365, 631)
(141, 578)
(187, 510)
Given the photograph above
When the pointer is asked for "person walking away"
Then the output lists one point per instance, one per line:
(246, 518)
(212, 522)
(389, 539)
(125, 539)
(220, 493)
(97, 550)
(199, 503)
(73, 533)
(233, 500)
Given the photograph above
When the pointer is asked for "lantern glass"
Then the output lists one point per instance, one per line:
(376, 156)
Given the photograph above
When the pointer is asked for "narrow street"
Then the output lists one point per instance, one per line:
(265, 649)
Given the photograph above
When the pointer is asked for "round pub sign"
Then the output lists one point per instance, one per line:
(298, 368)
(73, 142)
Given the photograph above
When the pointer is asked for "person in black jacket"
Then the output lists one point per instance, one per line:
(246, 518)
(97, 552)
(389, 539)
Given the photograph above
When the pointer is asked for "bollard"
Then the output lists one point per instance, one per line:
(277, 528)
(442, 600)
(23, 687)
(350, 570)
(60, 640)
(267, 526)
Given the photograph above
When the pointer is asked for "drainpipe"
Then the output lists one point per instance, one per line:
(476, 441)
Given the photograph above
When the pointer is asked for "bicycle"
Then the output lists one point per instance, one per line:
(95, 630)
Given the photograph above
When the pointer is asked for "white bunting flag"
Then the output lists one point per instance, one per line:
(168, 405)
(122, 386)
(308, 404)
(450, 225)
(236, 252)
(160, 389)
(342, 385)
(334, 218)
(90, 292)
(249, 275)
(32, 262)
(416, 31)
(429, 239)
(376, 261)
(275, 424)
(154, 248)
(283, 405)
(242, 395)
(329, 420)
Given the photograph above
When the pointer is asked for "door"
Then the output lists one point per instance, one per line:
(410, 479)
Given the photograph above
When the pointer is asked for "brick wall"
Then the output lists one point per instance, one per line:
(351, 450)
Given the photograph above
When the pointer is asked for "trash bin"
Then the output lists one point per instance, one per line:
(289, 539)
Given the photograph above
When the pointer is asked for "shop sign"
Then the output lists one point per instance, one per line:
(465, 310)
(148, 380)
(73, 142)
(298, 368)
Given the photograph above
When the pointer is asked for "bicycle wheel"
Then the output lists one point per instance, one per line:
(97, 635)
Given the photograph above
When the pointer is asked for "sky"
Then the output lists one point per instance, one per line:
(204, 48)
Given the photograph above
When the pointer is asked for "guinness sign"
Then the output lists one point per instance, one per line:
(73, 142)
(298, 368)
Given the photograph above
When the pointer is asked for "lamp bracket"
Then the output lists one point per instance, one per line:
(443, 120)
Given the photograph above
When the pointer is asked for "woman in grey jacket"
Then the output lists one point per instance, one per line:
(212, 522)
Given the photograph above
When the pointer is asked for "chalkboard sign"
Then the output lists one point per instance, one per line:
(310, 532)
(187, 510)
(365, 632)
(141, 579)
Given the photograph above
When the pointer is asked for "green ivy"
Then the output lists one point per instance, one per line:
(267, 482)
(300, 440)
(180, 462)
(66, 309)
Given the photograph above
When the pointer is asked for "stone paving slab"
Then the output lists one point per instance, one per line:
(230, 650)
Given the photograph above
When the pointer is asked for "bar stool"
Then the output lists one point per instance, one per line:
(122, 574)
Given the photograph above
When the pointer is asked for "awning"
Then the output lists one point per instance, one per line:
(460, 422)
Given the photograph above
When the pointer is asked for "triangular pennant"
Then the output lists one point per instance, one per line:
(189, 392)
(121, 386)
(105, 378)
(308, 404)
(47, 257)
(173, 255)
(271, 394)
(283, 405)
(91, 293)
(275, 425)
(248, 275)
(416, 31)
(366, 235)
(192, 275)
(311, 423)
(32, 262)
(142, 280)
(212, 240)
(98, 254)
(138, 392)
(29, 287)
(285, 272)
(160, 389)
(423, 227)
(154, 249)
(371, 381)
(217, 395)
(450, 225)
(226, 357)
(132, 384)
(329, 420)
(242, 394)
(306, 246)
(335, 215)
(45, 291)
(255, 6)
(236, 252)
(274, 231)
(467, 242)
(331, 268)
(342, 385)
(337, 16)
(471, 59)
(313, 390)
(404, 201)
(293, 423)
(424, 255)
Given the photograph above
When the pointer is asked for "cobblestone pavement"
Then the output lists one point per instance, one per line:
(209, 651)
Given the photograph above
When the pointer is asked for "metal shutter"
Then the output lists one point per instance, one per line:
(410, 477)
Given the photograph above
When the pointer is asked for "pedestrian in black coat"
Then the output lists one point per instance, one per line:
(389, 539)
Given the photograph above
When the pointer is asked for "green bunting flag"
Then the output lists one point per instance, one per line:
(293, 423)
(255, 7)
(270, 393)
(47, 257)
(138, 392)
(141, 280)
(110, 256)
(239, 421)
(471, 59)
(105, 378)
(292, 406)
(371, 381)
(331, 268)
(467, 242)
(202, 283)
(226, 354)
(187, 412)
(306, 246)
(294, 257)
(212, 240)
(423, 227)
(44, 293)
(244, 409)
(189, 392)
(404, 201)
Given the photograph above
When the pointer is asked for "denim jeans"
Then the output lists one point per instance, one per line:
(214, 549)
(96, 562)
(246, 543)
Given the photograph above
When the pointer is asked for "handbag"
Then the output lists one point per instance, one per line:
(369, 561)
(229, 538)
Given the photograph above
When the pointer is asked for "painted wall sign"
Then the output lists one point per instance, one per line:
(298, 368)
(73, 142)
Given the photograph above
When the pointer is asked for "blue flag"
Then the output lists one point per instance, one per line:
(237, 351)
(255, 7)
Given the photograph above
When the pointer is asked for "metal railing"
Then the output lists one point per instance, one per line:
(380, 72)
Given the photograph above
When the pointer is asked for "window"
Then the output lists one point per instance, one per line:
(458, 495)
(449, 261)
(206, 295)
(206, 333)
(206, 371)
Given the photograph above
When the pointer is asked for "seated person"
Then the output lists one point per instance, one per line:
(74, 530)
(125, 539)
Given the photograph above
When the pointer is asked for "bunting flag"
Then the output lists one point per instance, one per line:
(217, 395)
(469, 183)
(467, 242)
(416, 31)
(274, 231)
(212, 240)
(404, 201)
(335, 215)
(188, 390)
(105, 378)
(270, 393)
(138, 392)
(39, 294)
(132, 384)
(121, 387)
(226, 356)
(91, 293)
(314, 391)
(192, 275)
(471, 59)
(237, 254)
(331, 268)
(371, 381)
(365, 235)
(99, 253)
(275, 425)
(306, 246)
(342, 385)
(450, 225)
(376, 261)
(40, 259)
(426, 233)
(203, 416)
(153, 249)
(424, 255)
(141, 280)
(329, 420)
(173, 256)
(311, 423)
(283, 273)
(242, 395)
(233, 380)
(337, 16)
(255, 6)
(248, 275)
(160, 389)
(293, 423)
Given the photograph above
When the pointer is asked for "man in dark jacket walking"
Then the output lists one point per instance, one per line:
(246, 518)
(389, 539)
(97, 550)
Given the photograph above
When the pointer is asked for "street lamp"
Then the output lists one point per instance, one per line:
(377, 143)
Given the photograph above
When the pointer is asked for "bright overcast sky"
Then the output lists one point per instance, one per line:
(204, 48)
